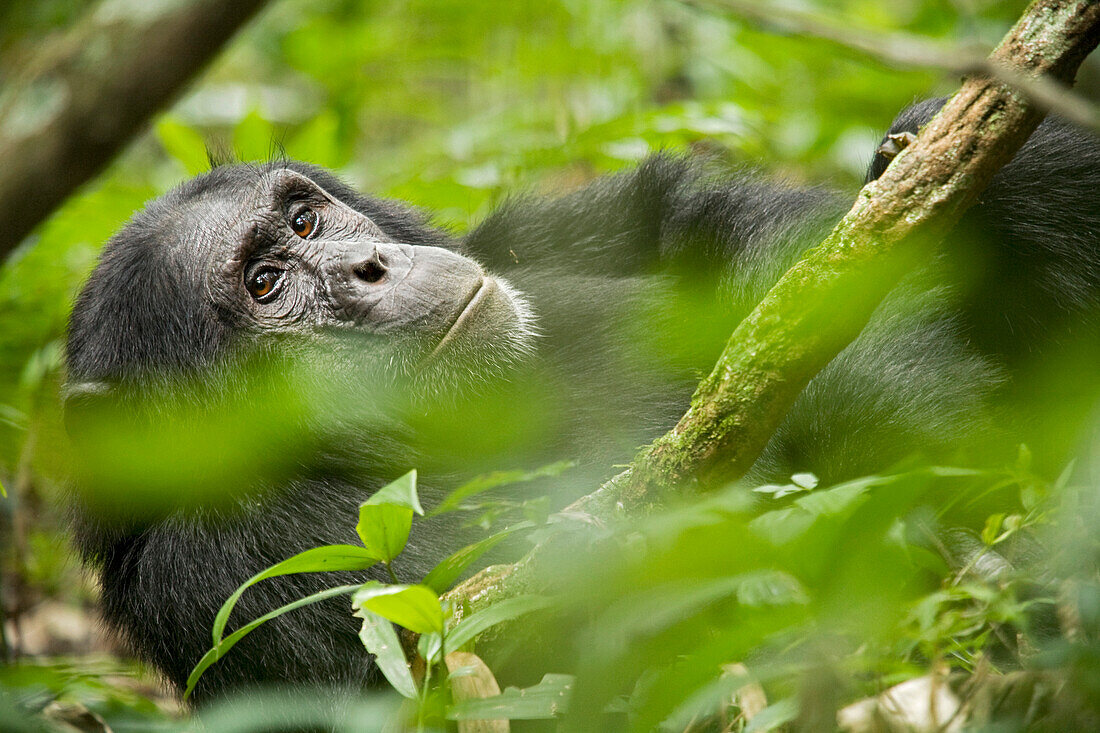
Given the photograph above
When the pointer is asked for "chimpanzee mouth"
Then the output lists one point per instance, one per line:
(495, 320)
(477, 296)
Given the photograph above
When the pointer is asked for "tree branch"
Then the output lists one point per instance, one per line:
(82, 98)
(826, 299)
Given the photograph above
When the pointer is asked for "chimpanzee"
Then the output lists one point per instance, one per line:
(559, 328)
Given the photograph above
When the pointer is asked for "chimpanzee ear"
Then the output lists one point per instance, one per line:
(78, 401)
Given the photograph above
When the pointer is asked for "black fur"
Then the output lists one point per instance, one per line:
(606, 270)
(1027, 255)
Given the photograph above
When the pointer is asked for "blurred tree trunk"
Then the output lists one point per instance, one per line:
(87, 93)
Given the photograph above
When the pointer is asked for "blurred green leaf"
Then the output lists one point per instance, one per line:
(805, 480)
(992, 528)
(282, 709)
(506, 610)
(430, 646)
(774, 716)
(547, 700)
(489, 481)
(782, 525)
(444, 574)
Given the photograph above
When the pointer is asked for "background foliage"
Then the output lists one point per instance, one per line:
(451, 105)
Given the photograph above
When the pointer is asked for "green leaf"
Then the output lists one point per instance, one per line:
(806, 481)
(429, 646)
(386, 517)
(1064, 477)
(769, 588)
(1023, 459)
(992, 528)
(800, 483)
(318, 560)
(779, 491)
(951, 472)
(443, 575)
(380, 639)
(842, 497)
(401, 492)
(384, 529)
(505, 610)
(782, 525)
(489, 481)
(220, 648)
(184, 144)
(416, 607)
(547, 700)
(3, 491)
(773, 716)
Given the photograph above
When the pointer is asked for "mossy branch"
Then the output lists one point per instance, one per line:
(820, 305)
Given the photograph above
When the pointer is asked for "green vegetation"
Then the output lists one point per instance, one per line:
(812, 597)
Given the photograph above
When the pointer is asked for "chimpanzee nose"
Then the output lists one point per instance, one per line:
(372, 269)
(390, 287)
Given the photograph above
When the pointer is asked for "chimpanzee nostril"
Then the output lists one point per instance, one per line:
(371, 270)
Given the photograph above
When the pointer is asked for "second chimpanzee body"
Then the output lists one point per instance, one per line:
(593, 315)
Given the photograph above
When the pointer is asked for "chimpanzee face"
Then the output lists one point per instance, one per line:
(258, 252)
(296, 258)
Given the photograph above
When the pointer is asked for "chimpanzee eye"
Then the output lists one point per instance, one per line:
(304, 222)
(262, 282)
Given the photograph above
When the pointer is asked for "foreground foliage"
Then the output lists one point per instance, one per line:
(821, 596)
